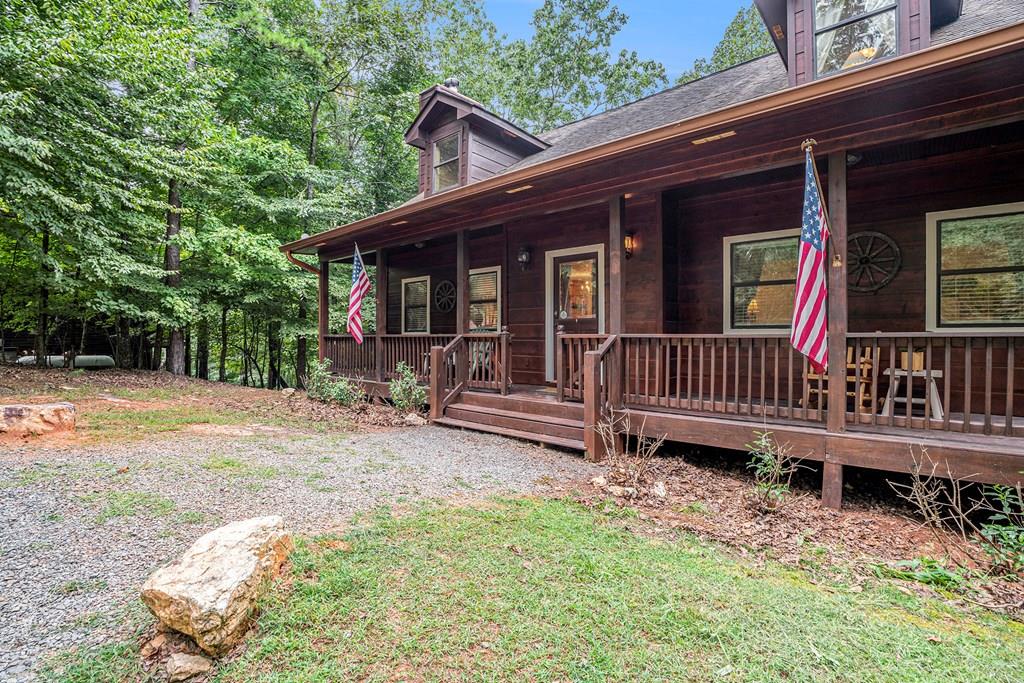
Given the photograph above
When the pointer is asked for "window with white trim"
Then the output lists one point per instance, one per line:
(485, 299)
(416, 305)
(976, 268)
(760, 280)
(849, 33)
(446, 162)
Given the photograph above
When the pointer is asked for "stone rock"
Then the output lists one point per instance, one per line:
(211, 592)
(182, 666)
(288, 393)
(617, 491)
(414, 420)
(36, 419)
(659, 490)
(599, 482)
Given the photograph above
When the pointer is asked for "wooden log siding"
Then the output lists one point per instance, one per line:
(979, 380)
(718, 374)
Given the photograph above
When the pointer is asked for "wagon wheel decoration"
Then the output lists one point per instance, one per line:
(444, 296)
(874, 259)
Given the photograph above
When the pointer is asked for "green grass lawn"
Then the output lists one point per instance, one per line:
(550, 591)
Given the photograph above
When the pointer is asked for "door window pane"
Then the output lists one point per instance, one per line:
(981, 270)
(577, 289)
(763, 285)
(857, 43)
(484, 313)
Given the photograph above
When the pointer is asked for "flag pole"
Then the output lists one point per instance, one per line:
(808, 145)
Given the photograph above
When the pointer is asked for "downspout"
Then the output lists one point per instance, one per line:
(301, 264)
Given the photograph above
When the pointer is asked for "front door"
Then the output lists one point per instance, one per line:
(576, 293)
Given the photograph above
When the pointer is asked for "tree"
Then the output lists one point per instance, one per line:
(746, 38)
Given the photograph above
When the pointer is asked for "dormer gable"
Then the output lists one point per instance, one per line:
(461, 142)
(819, 38)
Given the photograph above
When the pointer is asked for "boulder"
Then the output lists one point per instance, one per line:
(36, 419)
(182, 666)
(414, 420)
(288, 392)
(211, 592)
(659, 490)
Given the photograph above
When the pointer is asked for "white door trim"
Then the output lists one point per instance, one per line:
(549, 308)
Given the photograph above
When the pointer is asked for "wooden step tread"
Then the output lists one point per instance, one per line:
(533, 417)
(573, 444)
(523, 404)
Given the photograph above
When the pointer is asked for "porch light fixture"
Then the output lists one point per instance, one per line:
(518, 189)
(712, 138)
(523, 257)
(628, 244)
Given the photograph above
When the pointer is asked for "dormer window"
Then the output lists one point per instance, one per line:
(446, 162)
(849, 33)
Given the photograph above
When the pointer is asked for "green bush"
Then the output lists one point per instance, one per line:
(773, 469)
(1004, 531)
(321, 385)
(406, 392)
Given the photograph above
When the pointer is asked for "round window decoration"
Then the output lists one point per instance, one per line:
(444, 296)
(873, 261)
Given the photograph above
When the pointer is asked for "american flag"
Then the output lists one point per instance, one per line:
(810, 320)
(360, 286)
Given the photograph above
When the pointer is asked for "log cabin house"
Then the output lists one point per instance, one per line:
(643, 259)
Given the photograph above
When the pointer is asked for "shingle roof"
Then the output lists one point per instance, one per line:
(746, 81)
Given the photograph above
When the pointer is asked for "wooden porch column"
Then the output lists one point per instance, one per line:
(323, 307)
(462, 283)
(832, 483)
(616, 227)
(382, 311)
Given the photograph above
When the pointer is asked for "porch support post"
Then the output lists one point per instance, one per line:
(616, 228)
(832, 484)
(382, 311)
(323, 308)
(462, 283)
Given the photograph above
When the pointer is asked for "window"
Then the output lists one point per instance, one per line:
(849, 33)
(416, 305)
(446, 162)
(485, 299)
(760, 280)
(976, 267)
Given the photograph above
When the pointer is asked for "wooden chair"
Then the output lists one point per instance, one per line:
(857, 388)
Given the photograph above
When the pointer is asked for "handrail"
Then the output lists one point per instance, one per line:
(601, 388)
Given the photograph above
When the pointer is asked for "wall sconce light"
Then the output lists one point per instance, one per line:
(523, 257)
(629, 244)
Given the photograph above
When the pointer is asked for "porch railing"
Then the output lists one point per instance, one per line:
(718, 374)
(469, 361)
(948, 382)
(349, 358)
(360, 360)
(570, 351)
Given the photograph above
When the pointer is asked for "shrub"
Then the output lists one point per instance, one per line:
(322, 386)
(773, 469)
(1004, 530)
(406, 392)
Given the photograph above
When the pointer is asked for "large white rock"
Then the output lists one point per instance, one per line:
(36, 419)
(211, 592)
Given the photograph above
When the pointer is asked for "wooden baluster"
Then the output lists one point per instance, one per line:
(725, 375)
(892, 381)
(657, 371)
(679, 371)
(856, 381)
(750, 377)
(711, 375)
(987, 429)
(647, 370)
(700, 374)
(736, 374)
(764, 367)
(689, 373)
(968, 343)
(910, 382)
(789, 383)
(875, 350)
(1008, 427)
(775, 377)
(806, 387)
(928, 406)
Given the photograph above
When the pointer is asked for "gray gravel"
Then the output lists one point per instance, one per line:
(80, 529)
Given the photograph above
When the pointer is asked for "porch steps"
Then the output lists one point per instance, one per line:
(531, 419)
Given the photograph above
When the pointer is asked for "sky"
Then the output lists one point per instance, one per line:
(674, 32)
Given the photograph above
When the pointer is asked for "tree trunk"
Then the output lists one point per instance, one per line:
(172, 266)
(43, 319)
(301, 342)
(273, 371)
(203, 349)
(158, 348)
(123, 347)
(222, 362)
(188, 350)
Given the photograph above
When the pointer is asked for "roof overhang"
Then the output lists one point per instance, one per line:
(934, 60)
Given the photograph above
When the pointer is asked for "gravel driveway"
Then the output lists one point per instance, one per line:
(80, 529)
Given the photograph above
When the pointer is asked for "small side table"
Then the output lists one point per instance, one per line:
(896, 376)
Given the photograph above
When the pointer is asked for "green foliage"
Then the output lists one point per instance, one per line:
(746, 38)
(321, 385)
(406, 392)
(922, 570)
(1004, 530)
(773, 469)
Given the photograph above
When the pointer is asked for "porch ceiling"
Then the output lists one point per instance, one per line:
(969, 84)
